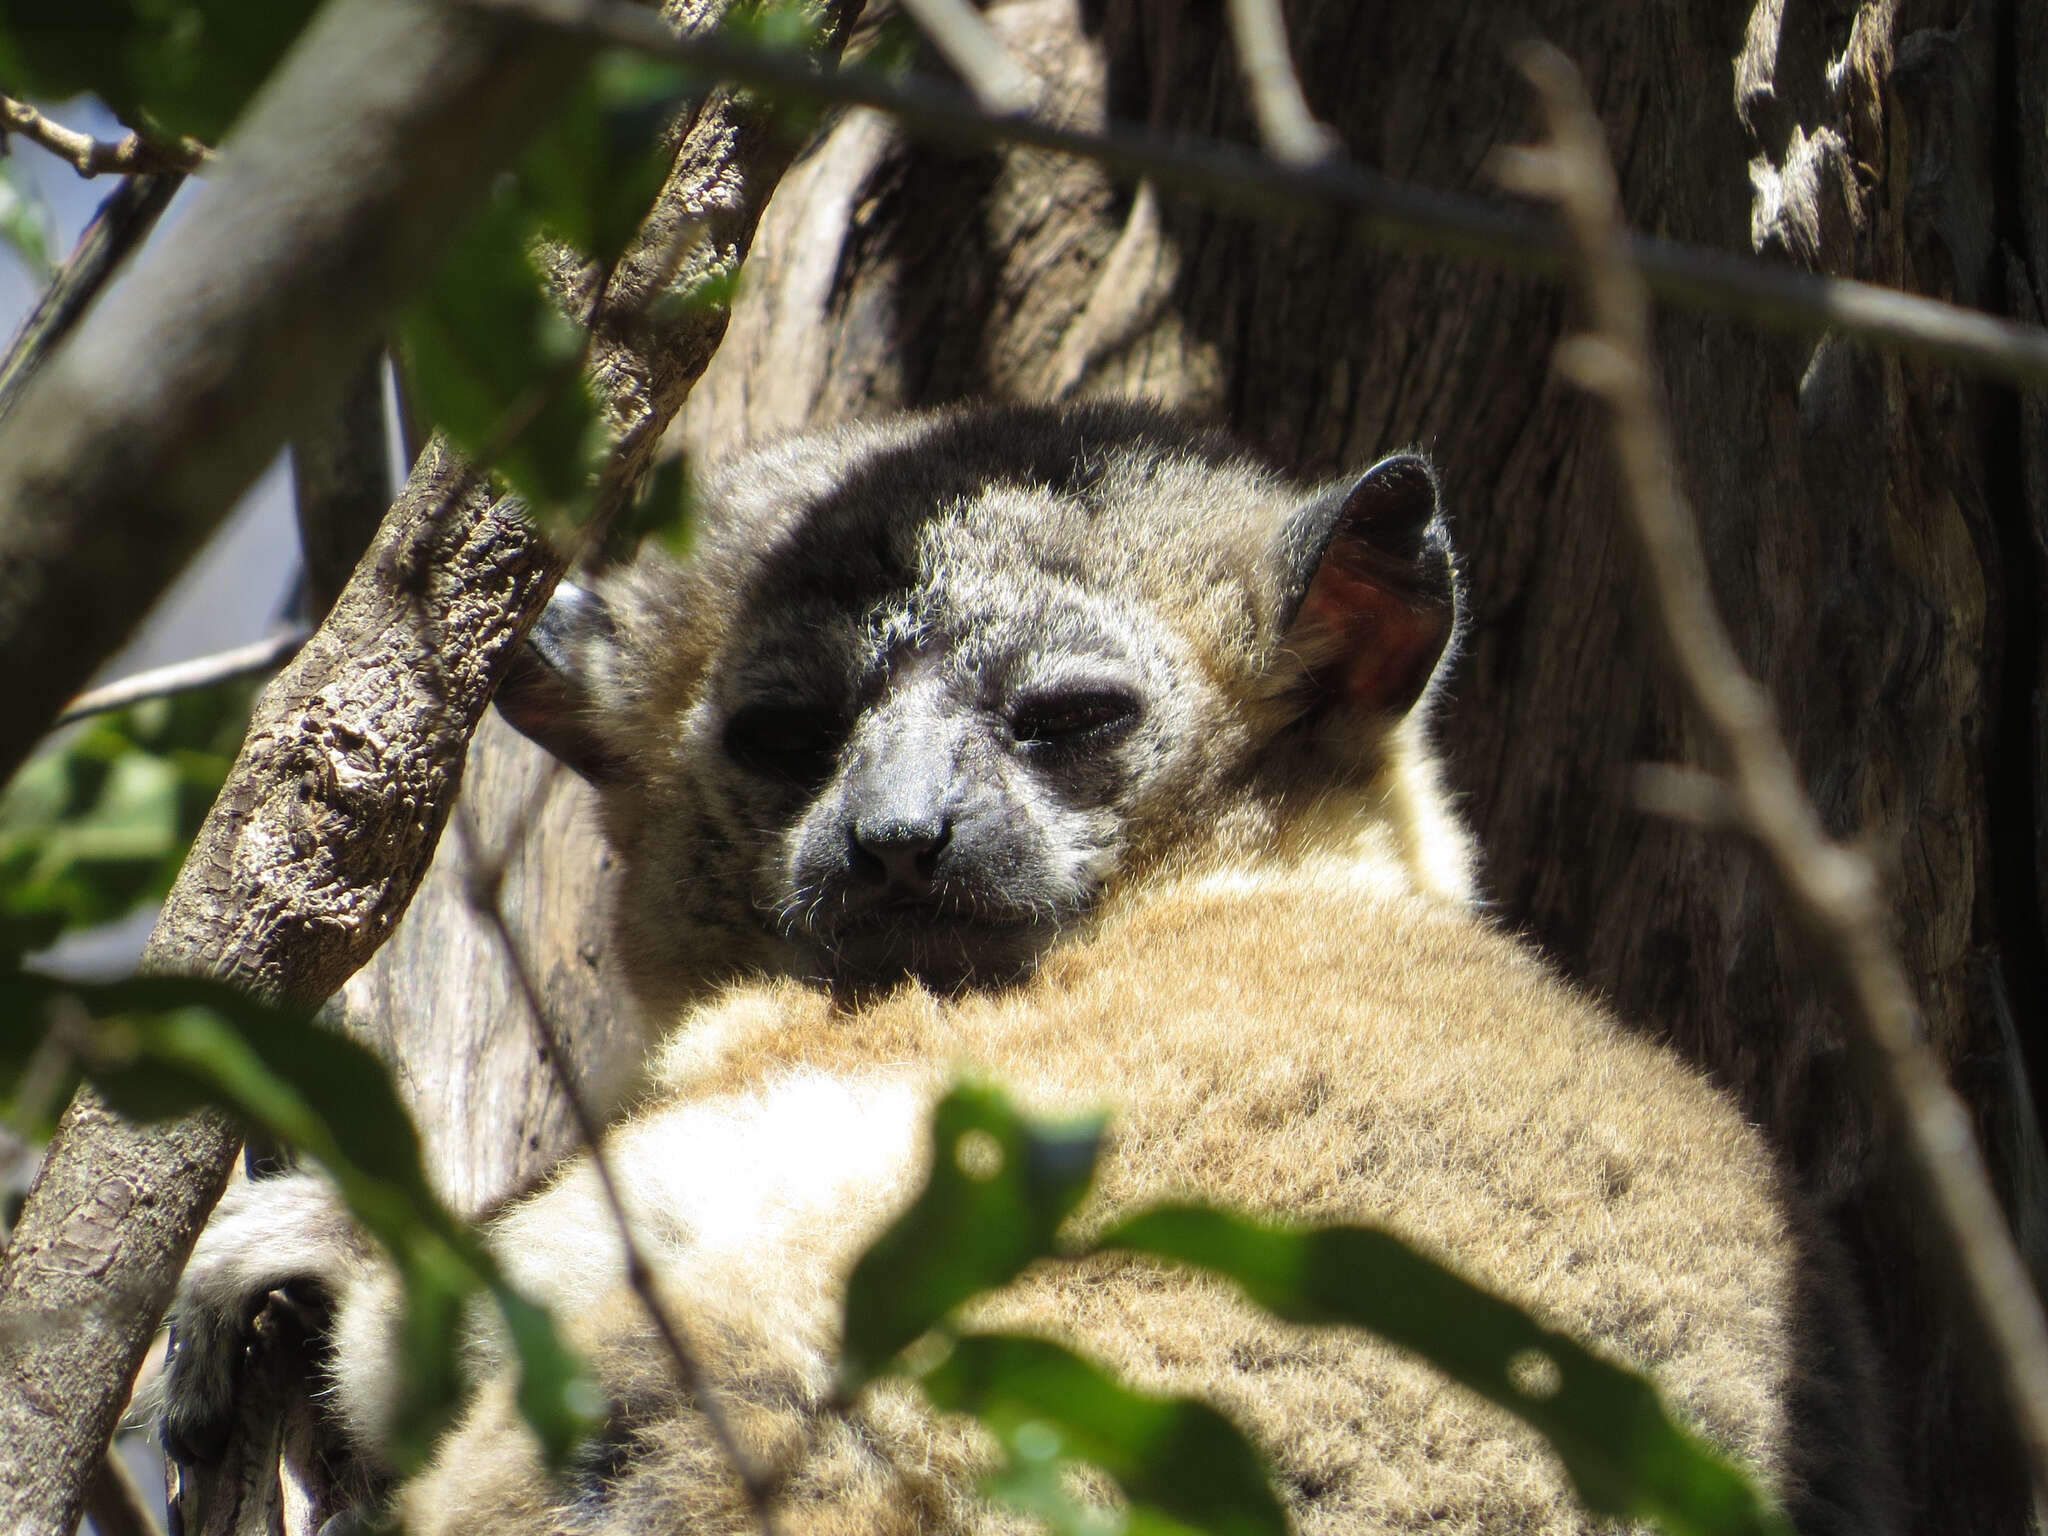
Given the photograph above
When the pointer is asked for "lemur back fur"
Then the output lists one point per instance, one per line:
(1123, 796)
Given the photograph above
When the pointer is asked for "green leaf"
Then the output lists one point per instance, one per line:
(25, 220)
(787, 26)
(591, 176)
(99, 822)
(169, 1045)
(556, 1397)
(498, 367)
(1173, 1457)
(437, 1288)
(54, 53)
(999, 1188)
(1624, 1454)
(663, 510)
(171, 66)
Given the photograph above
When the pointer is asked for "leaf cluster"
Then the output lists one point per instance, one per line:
(162, 66)
(98, 825)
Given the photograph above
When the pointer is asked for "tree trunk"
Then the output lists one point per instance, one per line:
(1876, 526)
(441, 999)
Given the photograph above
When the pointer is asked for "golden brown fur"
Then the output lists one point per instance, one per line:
(1267, 965)
(1341, 1053)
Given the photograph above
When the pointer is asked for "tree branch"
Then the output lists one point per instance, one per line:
(1378, 207)
(184, 676)
(108, 1224)
(131, 154)
(245, 321)
(1833, 890)
(968, 43)
(341, 486)
(1291, 132)
(123, 222)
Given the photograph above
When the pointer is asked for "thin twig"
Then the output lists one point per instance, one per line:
(184, 676)
(485, 876)
(1379, 207)
(1290, 131)
(122, 223)
(1833, 889)
(131, 154)
(1691, 795)
(977, 55)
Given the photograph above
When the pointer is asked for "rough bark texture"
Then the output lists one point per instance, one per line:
(76, 1282)
(245, 322)
(441, 999)
(350, 767)
(1868, 533)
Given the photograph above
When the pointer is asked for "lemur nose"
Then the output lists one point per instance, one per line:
(900, 852)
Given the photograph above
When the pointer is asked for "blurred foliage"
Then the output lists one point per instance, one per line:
(98, 822)
(1625, 1456)
(494, 363)
(162, 66)
(999, 1190)
(25, 222)
(663, 510)
(161, 1046)
(490, 358)
(1182, 1465)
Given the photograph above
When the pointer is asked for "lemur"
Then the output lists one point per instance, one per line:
(1075, 747)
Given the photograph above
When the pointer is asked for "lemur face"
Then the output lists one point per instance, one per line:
(924, 691)
(943, 780)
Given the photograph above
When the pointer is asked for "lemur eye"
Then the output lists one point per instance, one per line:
(1073, 717)
(796, 742)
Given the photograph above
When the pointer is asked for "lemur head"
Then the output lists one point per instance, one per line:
(926, 692)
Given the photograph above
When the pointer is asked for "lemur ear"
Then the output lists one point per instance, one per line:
(545, 695)
(1369, 593)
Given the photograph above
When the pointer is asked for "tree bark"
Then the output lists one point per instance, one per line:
(1874, 547)
(341, 488)
(335, 805)
(441, 1000)
(246, 321)
(84, 1282)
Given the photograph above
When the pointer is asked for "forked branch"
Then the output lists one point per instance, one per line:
(129, 155)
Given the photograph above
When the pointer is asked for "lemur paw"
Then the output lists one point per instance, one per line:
(266, 1234)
